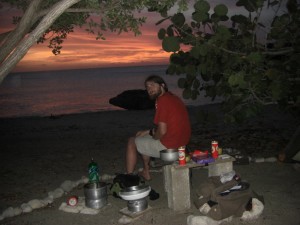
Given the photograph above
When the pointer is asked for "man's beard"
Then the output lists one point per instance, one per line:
(155, 95)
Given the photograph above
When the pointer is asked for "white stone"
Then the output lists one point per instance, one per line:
(125, 220)
(204, 209)
(36, 204)
(66, 208)
(57, 193)
(68, 185)
(48, 200)
(9, 212)
(26, 208)
(297, 156)
(17, 211)
(255, 212)
(89, 211)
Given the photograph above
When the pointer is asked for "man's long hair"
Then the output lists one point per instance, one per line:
(158, 80)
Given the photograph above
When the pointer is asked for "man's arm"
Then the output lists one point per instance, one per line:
(160, 130)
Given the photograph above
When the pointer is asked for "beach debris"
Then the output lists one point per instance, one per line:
(66, 186)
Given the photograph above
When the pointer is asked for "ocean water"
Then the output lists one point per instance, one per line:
(75, 91)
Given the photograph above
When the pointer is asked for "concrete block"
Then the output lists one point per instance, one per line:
(177, 186)
(217, 168)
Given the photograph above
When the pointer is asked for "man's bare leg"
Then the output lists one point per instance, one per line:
(146, 171)
(131, 155)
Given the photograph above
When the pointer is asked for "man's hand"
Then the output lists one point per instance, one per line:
(142, 133)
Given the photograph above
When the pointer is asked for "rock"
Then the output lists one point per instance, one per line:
(26, 208)
(133, 100)
(68, 185)
(9, 212)
(57, 193)
(255, 212)
(36, 203)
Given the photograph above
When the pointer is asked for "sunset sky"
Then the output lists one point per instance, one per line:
(82, 50)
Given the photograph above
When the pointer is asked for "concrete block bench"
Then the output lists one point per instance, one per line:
(177, 180)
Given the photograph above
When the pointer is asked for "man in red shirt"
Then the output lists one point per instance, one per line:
(172, 127)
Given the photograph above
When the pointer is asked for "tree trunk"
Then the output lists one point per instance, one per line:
(14, 37)
(22, 48)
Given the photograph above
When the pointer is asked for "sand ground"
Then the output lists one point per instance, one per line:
(38, 154)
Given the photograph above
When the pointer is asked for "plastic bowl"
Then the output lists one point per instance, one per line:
(169, 155)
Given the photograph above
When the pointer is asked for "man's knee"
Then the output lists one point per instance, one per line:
(131, 142)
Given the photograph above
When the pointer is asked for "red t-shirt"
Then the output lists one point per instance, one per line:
(171, 110)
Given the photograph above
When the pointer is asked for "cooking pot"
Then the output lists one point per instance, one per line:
(95, 195)
(169, 155)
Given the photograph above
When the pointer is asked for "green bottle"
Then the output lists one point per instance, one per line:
(93, 172)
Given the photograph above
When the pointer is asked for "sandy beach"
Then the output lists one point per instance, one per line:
(39, 153)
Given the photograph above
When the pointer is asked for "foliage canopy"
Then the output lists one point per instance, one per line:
(228, 58)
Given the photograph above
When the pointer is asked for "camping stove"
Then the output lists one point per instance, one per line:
(136, 197)
(137, 205)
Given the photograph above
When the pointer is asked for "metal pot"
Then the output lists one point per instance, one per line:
(95, 195)
(137, 205)
(169, 155)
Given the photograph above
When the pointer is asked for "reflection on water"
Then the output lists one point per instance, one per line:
(75, 91)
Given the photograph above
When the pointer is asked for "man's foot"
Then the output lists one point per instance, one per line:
(145, 175)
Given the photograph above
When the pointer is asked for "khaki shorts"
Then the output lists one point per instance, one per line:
(146, 145)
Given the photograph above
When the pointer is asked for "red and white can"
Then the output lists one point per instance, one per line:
(72, 201)
(181, 155)
(214, 149)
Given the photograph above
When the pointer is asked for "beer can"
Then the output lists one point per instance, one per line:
(214, 149)
(181, 155)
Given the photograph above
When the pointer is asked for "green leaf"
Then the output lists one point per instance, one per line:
(170, 31)
(190, 69)
(161, 34)
(221, 10)
(223, 33)
(255, 57)
(239, 19)
(181, 82)
(195, 52)
(202, 6)
(272, 74)
(170, 44)
(275, 88)
(171, 69)
(178, 19)
(196, 84)
(203, 50)
(187, 93)
(237, 80)
(200, 16)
